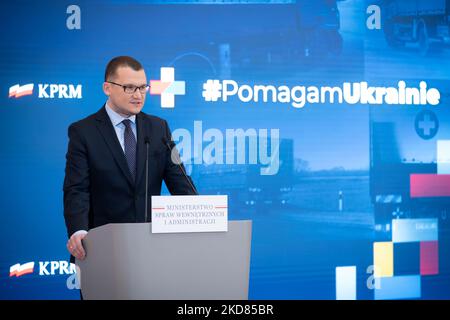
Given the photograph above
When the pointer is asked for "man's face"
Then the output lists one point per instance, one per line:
(126, 104)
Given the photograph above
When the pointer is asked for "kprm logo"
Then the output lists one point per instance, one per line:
(46, 268)
(19, 270)
(167, 87)
(48, 91)
(17, 91)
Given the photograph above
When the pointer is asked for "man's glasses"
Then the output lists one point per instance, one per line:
(130, 89)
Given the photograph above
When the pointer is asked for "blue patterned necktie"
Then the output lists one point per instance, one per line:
(130, 148)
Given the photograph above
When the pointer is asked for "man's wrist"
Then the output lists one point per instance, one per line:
(82, 232)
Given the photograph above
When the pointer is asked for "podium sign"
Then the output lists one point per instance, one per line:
(178, 214)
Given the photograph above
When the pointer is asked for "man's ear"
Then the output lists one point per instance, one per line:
(107, 88)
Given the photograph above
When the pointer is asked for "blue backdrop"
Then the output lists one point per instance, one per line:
(359, 178)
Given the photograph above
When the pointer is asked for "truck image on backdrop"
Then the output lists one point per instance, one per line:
(423, 23)
(409, 156)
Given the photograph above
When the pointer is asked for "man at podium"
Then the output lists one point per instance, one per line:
(107, 155)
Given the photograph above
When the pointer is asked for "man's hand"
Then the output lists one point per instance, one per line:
(75, 246)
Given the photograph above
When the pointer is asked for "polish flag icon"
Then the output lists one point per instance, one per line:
(21, 269)
(18, 91)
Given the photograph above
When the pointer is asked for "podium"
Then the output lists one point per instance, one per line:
(127, 261)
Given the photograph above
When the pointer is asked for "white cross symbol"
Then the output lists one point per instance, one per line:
(167, 87)
(426, 125)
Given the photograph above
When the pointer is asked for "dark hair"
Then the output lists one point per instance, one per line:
(121, 61)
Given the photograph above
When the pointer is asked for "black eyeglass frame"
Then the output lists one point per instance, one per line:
(125, 87)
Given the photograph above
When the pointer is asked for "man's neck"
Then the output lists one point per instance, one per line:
(109, 105)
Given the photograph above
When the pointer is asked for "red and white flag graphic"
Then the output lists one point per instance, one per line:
(18, 91)
(19, 270)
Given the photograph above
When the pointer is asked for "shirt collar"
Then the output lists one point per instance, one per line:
(117, 118)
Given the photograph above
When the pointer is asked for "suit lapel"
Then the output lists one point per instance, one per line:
(109, 134)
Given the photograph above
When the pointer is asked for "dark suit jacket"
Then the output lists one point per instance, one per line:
(98, 188)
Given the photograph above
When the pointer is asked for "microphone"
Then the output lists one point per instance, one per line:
(147, 142)
(170, 146)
